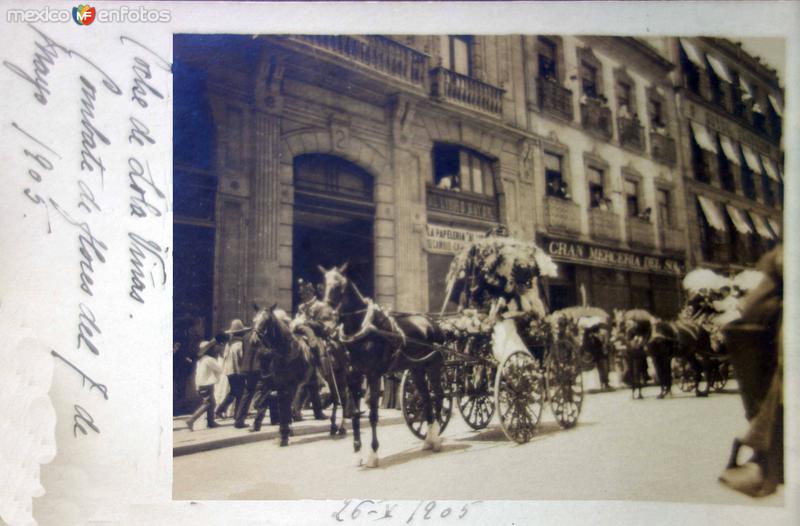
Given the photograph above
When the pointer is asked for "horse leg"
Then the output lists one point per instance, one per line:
(374, 396)
(284, 412)
(638, 376)
(433, 438)
(697, 365)
(355, 414)
(339, 375)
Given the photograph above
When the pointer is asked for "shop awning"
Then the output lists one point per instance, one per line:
(719, 68)
(774, 226)
(730, 151)
(712, 213)
(751, 159)
(775, 105)
(747, 92)
(739, 221)
(703, 138)
(692, 53)
(761, 227)
(770, 168)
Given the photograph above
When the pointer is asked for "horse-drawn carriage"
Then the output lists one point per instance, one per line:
(502, 354)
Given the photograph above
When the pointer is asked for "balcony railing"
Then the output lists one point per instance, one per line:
(672, 240)
(604, 224)
(596, 118)
(641, 232)
(631, 133)
(554, 98)
(466, 91)
(662, 148)
(563, 216)
(375, 52)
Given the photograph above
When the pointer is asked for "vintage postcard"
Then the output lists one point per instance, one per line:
(416, 263)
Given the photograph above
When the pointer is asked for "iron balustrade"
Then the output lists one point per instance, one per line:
(466, 91)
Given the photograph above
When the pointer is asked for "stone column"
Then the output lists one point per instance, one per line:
(265, 208)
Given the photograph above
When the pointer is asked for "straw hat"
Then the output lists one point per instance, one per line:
(237, 327)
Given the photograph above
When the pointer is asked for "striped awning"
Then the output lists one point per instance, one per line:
(751, 159)
(730, 151)
(775, 105)
(739, 221)
(775, 226)
(712, 213)
(761, 227)
(747, 92)
(691, 52)
(770, 168)
(719, 68)
(703, 138)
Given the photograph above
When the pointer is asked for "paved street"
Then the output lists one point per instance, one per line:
(661, 450)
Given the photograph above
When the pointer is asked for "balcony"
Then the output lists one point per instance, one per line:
(377, 53)
(640, 233)
(662, 148)
(604, 225)
(466, 91)
(554, 98)
(672, 240)
(596, 118)
(631, 133)
(563, 216)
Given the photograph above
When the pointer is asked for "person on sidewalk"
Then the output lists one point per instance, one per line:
(207, 374)
(232, 366)
(255, 368)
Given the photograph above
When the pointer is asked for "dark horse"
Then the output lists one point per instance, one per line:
(378, 343)
(291, 364)
(682, 339)
(332, 363)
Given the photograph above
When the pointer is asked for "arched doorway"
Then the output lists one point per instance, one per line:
(333, 221)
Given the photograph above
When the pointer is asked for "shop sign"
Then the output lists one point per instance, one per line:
(455, 203)
(611, 258)
(447, 240)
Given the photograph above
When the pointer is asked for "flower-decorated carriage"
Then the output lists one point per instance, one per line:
(503, 355)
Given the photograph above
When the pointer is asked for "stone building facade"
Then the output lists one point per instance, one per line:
(731, 119)
(293, 152)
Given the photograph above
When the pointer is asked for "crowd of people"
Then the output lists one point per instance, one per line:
(231, 379)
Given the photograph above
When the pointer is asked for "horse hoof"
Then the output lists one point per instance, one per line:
(372, 460)
(660, 396)
(342, 431)
(333, 431)
(284, 442)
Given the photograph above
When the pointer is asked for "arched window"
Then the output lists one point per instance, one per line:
(331, 176)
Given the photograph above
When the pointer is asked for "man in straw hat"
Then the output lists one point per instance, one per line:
(232, 367)
(206, 375)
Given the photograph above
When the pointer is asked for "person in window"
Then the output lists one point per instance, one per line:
(624, 112)
(646, 214)
(450, 182)
(563, 191)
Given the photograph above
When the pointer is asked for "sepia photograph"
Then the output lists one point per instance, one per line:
(478, 267)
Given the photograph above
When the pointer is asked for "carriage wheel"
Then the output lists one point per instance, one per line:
(686, 376)
(476, 407)
(721, 374)
(565, 383)
(411, 406)
(519, 396)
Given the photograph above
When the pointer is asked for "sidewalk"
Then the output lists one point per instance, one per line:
(185, 442)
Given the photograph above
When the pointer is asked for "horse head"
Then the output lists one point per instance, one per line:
(335, 284)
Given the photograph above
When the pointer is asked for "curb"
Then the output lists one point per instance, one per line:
(248, 438)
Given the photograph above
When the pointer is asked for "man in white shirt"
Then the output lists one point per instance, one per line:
(206, 375)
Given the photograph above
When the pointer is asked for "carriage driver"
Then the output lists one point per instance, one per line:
(312, 319)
